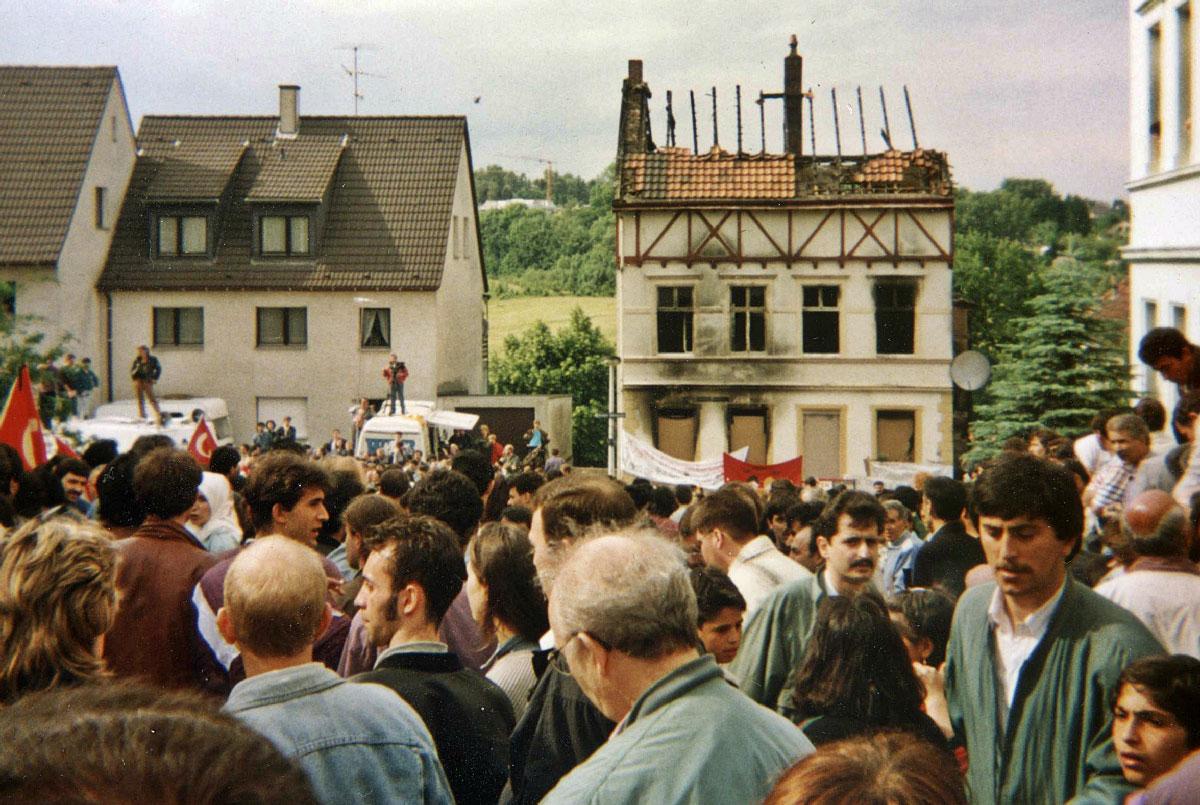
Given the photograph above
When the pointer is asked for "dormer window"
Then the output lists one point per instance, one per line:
(283, 235)
(185, 235)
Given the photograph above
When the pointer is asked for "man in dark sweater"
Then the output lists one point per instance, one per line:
(413, 573)
(944, 560)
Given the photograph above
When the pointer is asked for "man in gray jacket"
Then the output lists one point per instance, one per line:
(624, 619)
(356, 743)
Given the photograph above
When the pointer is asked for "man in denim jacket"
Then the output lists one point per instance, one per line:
(356, 743)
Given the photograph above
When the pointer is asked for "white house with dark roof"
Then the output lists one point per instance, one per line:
(275, 262)
(66, 155)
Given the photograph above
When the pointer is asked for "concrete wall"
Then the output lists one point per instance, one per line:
(330, 373)
(65, 301)
(460, 302)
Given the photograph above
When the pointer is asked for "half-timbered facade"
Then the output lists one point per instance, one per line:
(793, 304)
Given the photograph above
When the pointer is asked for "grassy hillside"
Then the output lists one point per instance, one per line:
(513, 316)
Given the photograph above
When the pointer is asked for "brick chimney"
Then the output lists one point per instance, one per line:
(289, 111)
(793, 101)
(635, 113)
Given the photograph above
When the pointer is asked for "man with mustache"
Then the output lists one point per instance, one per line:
(849, 536)
(1034, 657)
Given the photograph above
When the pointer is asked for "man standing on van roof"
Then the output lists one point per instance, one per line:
(395, 373)
(145, 371)
(1167, 351)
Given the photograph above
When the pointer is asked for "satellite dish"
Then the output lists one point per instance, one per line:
(971, 370)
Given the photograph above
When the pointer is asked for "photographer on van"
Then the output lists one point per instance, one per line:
(144, 372)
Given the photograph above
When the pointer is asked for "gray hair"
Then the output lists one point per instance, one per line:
(630, 592)
(899, 508)
(1131, 425)
(1171, 537)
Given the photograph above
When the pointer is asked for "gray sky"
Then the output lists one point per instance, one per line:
(1007, 87)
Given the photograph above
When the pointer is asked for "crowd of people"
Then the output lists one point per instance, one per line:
(293, 627)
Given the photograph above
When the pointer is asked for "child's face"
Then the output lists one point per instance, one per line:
(722, 635)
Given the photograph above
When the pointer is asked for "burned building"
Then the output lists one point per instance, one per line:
(794, 303)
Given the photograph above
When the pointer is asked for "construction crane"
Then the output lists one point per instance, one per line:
(549, 172)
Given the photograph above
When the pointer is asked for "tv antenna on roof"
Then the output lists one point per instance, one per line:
(356, 73)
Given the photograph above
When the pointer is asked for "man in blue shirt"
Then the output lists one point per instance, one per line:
(356, 743)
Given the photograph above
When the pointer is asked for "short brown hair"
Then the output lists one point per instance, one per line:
(881, 769)
(367, 511)
(728, 510)
(574, 504)
(426, 552)
(280, 477)
(123, 742)
(58, 593)
(165, 482)
(275, 596)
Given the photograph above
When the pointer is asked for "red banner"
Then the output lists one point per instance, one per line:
(203, 443)
(763, 474)
(20, 425)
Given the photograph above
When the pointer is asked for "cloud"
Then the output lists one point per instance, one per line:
(1016, 88)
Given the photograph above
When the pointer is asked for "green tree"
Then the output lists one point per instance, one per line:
(571, 361)
(1063, 364)
(995, 276)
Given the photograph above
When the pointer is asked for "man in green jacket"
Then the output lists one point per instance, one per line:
(624, 619)
(1033, 660)
(849, 537)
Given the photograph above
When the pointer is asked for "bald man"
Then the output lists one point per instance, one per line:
(355, 742)
(1161, 586)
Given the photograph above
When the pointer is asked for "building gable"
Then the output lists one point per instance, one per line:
(49, 118)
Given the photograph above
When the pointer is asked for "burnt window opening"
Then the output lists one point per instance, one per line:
(819, 321)
(675, 315)
(896, 435)
(748, 324)
(895, 317)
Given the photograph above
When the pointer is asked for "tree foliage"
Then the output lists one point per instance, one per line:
(565, 252)
(1062, 365)
(571, 361)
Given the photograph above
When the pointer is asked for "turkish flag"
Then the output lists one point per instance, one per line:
(203, 443)
(20, 425)
(61, 448)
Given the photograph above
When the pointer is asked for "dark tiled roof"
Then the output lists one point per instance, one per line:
(192, 170)
(676, 174)
(385, 228)
(297, 170)
(49, 117)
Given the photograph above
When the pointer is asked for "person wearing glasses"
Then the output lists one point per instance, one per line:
(624, 617)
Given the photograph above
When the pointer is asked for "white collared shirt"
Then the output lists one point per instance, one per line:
(1016, 642)
(759, 568)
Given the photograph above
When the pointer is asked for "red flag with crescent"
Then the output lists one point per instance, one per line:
(20, 425)
(203, 443)
(61, 448)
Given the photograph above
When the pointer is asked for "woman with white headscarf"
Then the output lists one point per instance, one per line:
(212, 520)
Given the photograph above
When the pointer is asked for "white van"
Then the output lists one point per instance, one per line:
(119, 421)
(424, 429)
